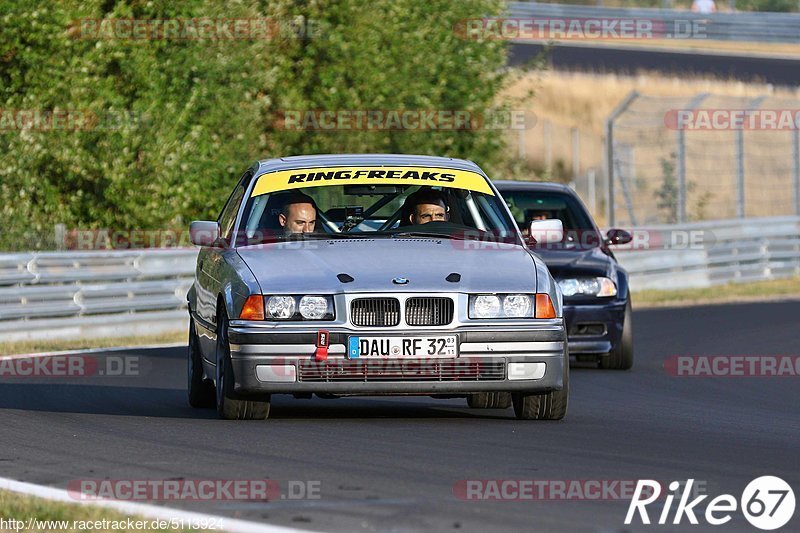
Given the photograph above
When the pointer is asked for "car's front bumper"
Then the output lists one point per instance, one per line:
(529, 358)
(594, 328)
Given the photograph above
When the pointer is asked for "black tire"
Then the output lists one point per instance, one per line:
(621, 357)
(543, 406)
(201, 391)
(489, 400)
(229, 406)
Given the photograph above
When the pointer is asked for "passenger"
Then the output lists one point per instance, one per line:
(427, 206)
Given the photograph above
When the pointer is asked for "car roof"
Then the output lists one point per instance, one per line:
(507, 185)
(333, 160)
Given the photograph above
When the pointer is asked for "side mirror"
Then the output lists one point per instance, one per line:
(618, 236)
(546, 231)
(204, 232)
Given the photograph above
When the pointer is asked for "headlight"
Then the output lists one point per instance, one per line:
(280, 307)
(600, 287)
(300, 307)
(313, 307)
(517, 305)
(485, 306)
(501, 306)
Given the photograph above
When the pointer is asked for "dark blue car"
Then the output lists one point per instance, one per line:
(597, 304)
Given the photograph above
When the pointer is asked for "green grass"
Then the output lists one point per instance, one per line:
(730, 293)
(53, 345)
(21, 508)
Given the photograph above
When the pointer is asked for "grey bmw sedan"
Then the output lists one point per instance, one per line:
(343, 275)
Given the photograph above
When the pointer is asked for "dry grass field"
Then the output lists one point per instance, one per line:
(573, 107)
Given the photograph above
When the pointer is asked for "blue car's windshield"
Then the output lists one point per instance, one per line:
(527, 206)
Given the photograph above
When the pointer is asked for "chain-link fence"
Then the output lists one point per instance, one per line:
(677, 160)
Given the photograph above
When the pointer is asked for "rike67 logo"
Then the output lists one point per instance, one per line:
(767, 503)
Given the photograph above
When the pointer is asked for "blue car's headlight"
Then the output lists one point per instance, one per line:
(600, 287)
(299, 307)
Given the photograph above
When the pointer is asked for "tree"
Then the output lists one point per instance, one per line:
(174, 123)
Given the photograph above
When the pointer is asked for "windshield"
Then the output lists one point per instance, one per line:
(527, 206)
(364, 202)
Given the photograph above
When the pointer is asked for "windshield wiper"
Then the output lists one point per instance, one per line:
(427, 234)
(346, 235)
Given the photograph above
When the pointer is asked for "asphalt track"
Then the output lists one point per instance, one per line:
(390, 464)
(778, 70)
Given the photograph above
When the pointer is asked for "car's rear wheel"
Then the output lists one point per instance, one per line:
(621, 356)
(201, 390)
(489, 400)
(229, 406)
(543, 406)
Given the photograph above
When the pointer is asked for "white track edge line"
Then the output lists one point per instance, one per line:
(232, 525)
(98, 350)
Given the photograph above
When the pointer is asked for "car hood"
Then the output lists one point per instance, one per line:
(566, 263)
(313, 266)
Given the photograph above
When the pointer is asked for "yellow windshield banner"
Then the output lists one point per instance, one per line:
(286, 180)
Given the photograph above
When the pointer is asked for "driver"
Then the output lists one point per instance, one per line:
(298, 214)
(539, 214)
(428, 206)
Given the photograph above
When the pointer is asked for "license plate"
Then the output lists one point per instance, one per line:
(385, 347)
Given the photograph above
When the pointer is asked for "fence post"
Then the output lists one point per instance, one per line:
(681, 163)
(576, 152)
(60, 236)
(548, 146)
(796, 165)
(740, 213)
(633, 95)
(591, 178)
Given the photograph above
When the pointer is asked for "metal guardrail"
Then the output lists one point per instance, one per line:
(726, 251)
(63, 295)
(93, 294)
(739, 26)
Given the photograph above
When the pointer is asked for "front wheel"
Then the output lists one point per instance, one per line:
(489, 400)
(621, 356)
(201, 390)
(543, 406)
(229, 406)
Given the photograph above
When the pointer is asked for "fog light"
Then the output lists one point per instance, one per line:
(279, 373)
(517, 371)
